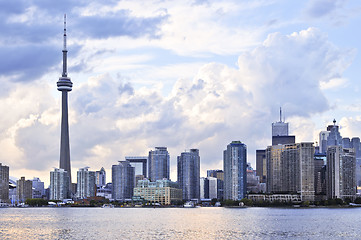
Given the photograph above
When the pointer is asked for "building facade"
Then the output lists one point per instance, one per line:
(341, 172)
(219, 175)
(235, 175)
(59, 184)
(123, 179)
(101, 177)
(86, 184)
(139, 164)
(38, 188)
(4, 183)
(24, 189)
(189, 174)
(164, 192)
(290, 169)
(158, 164)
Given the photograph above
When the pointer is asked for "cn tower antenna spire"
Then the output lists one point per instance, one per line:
(65, 51)
(280, 114)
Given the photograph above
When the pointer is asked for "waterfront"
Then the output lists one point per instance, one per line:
(178, 223)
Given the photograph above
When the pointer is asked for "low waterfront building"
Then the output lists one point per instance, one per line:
(164, 192)
(105, 191)
(295, 198)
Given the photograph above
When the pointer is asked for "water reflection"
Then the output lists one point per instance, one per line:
(199, 223)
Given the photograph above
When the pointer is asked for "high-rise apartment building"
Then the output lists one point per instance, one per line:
(100, 178)
(158, 164)
(24, 189)
(235, 175)
(4, 183)
(86, 184)
(123, 179)
(139, 163)
(341, 174)
(189, 174)
(38, 188)
(290, 169)
(59, 184)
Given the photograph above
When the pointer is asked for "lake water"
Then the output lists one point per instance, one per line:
(179, 223)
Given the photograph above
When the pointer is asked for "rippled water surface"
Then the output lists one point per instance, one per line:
(179, 223)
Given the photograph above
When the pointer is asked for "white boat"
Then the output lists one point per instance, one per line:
(108, 206)
(189, 205)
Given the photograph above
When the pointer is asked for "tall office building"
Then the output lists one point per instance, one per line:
(59, 184)
(290, 169)
(341, 174)
(38, 188)
(235, 175)
(320, 173)
(189, 174)
(24, 189)
(280, 128)
(261, 165)
(122, 181)
(208, 188)
(65, 85)
(158, 164)
(100, 178)
(4, 183)
(334, 137)
(323, 141)
(86, 184)
(355, 143)
(139, 164)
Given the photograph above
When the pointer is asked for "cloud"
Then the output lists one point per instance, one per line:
(110, 118)
(320, 8)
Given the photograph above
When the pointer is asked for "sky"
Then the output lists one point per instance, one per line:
(180, 74)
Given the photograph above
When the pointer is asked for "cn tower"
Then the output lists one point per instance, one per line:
(65, 85)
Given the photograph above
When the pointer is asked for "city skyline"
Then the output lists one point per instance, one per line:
(147, 77)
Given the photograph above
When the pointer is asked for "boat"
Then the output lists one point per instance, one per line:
(189, 205)
(108, 206)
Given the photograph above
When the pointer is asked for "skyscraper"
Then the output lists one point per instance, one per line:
(100, 177)
(340, 172)
(123, 181)
(290, 169)
(65, 85)
(59, 184)
(280, 128)
(4, 183)
(235, 175)
(158, 165)
(139, 164)
(261, 165)
(189, 174)
(86, 186)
